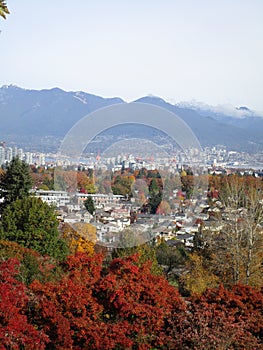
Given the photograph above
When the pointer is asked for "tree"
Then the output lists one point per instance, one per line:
(170, 257)
(33, 224)
(65, 180)
(237, 248)
(122, 185)
(123, 306)
(187, 184)
(155, 196)
(32, 264)
(3, 9)
(89, 205)
(145, 253)
(198, 278)
(163, 208)
(16, 332)
(81, 237)
(85, 183)
(15, 183)
(219, 319)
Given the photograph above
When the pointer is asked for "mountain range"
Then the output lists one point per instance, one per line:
(39, 119)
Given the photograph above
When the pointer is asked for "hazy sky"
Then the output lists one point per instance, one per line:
(209, 51)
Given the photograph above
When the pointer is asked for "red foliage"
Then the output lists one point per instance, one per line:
(66, 310)
(15, 331)
(123, 306)
(220, 319)
(139, 301)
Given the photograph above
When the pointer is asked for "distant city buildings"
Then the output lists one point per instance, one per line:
(212, 159)
(115, 213)
(8, 153)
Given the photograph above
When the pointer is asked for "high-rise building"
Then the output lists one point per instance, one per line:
(41, 159)
(15, 151)
(9, 154)
(29, 158)
(20, 154)
(2, 155)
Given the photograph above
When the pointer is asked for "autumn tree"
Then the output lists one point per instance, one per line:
(16, 332)
(139, 300)
(33, 224)
(237, 247)
(15, 182)
(140, 191)
(65, 180)
(198, 277)
(3, 9)
(122, 306)
(85, 182)
(29, 260)
(122, 185)
(219, 319)
(32, 264)
(146, 252)
(163, 208)
(81, 237)
(66, 310)
(187, 180)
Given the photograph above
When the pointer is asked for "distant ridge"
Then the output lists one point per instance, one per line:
(40, 118)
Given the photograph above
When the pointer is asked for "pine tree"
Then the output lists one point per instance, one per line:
(89, 205)
(33, 224)
(15, 183)
(155, 196)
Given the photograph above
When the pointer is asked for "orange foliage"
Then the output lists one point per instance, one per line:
(81, 237)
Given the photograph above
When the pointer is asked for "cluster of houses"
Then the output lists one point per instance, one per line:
(119, 223)
(116, 215)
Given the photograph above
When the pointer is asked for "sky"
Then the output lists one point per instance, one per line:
(181, 50)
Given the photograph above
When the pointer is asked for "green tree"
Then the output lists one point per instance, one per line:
(155, 196)
(15, 182)
(170, 257)
(89, 205)
(3, 9)
(122, 185)
(33, 224)
(145, 253)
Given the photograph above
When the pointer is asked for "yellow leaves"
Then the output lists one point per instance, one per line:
(163, 208)
(198, 278)
(3, 9)
(85, 183)
(12, 249)
(81, 237)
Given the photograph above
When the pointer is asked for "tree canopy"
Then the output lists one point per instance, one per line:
(89, 205)
(123, 306)
(15, 182)
(3, 9)
(33, 224)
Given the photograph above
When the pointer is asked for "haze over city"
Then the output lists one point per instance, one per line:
(208, 51)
